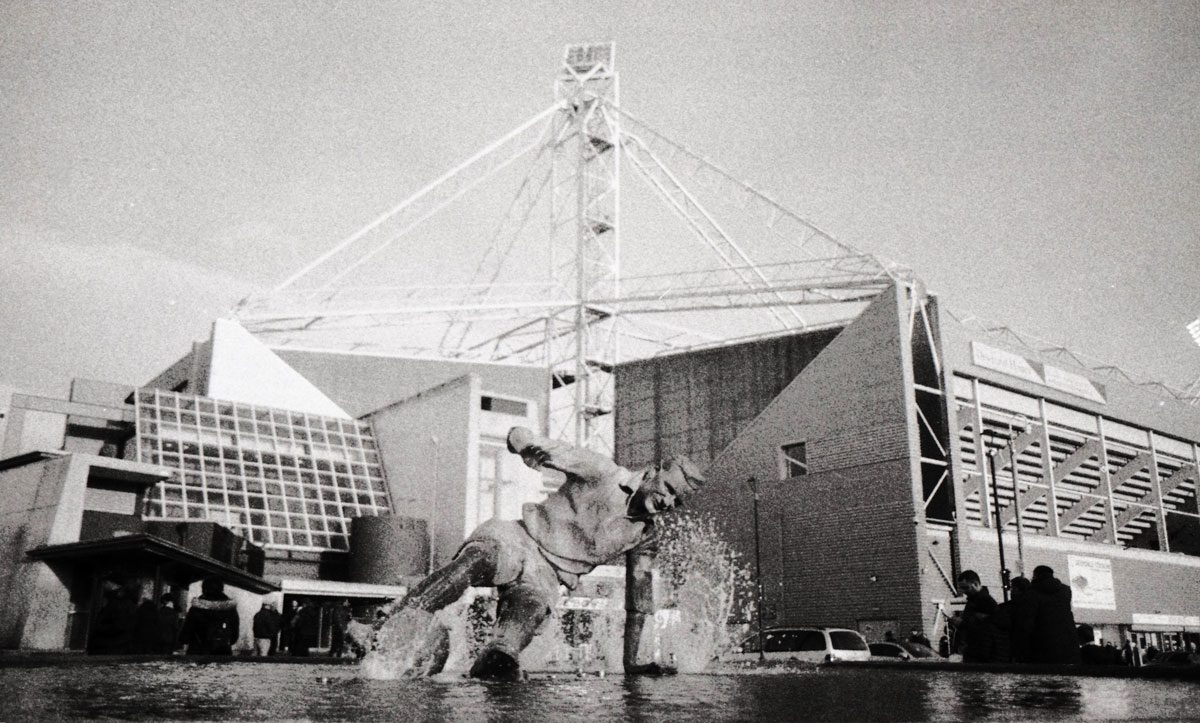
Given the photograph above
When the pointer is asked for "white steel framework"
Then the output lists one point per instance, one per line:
(718, 261)
(751, 265)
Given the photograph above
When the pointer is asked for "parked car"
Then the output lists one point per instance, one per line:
(1175, 658)
(809, 645)
(891, 651)
(903, 651)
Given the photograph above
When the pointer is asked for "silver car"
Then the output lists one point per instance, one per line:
(810, 645)
(903, 651)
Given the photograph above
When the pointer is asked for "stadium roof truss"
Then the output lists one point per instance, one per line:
(718, 261)
(581, 313)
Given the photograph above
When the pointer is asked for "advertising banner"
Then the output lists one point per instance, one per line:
(1091, 583)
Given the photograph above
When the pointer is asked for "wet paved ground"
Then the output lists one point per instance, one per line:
(225, 691)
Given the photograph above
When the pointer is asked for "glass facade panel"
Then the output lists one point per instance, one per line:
(250, 467)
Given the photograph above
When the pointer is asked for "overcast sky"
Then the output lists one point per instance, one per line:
(1036, 163)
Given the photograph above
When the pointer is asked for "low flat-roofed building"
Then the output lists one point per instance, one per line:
(235, 464)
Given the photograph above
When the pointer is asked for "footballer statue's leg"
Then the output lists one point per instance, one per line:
(473, 566)
(521, 610)
(639, 607)
(409, 629)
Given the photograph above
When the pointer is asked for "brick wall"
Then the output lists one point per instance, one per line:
(826, 534)
(696, 403)
(835, 552)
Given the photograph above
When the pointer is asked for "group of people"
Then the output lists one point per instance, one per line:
(123, 626)
(128, 623)
(1147, 652)
(1035, 626)
(296, 632)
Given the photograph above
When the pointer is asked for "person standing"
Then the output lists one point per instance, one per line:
(211, 624)
(1017, 618)
(1054, 639)
(1151, 653)
(341, 618)
(168, 625)
(1091, 653)
(266, 629)
(306, 626)
(287, 627)
(145, 627)
(112, 632)
(976, 626)
(1127, 653)
(918, 637)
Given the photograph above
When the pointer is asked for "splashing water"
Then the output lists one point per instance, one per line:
(700, 586)
(415, 643)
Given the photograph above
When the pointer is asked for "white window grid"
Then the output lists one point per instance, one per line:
(285, 479)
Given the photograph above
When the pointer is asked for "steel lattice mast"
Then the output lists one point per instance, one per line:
(585, 250)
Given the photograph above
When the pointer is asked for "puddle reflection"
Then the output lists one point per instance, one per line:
(272, 692)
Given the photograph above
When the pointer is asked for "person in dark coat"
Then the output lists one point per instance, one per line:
(1092, 654)
(919, 638)
(1017, 618)
(112, 632)
(978, 636)
(1054, 639)
(306, 626)
(267, 623)
(1127, 653)
(341, 618)
(287, 627)
(1151, 653)
(145, 628)
(168, 625)
(211, 624)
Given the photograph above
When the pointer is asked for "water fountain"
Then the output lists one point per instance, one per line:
(699, 582)
(701, 587)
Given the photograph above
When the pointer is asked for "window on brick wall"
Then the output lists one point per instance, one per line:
(793, 460)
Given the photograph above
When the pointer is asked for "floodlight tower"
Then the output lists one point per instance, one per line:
(585, 247)
(1192, 393)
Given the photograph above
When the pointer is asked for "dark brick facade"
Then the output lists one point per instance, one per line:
(695, 404)
(839, 545)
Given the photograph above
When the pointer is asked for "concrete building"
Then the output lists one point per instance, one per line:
(869, 445)
(70, 516)
(348, 479)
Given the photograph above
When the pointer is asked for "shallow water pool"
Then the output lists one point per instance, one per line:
(227, 691)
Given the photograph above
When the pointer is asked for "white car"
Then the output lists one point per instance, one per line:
(809, 645)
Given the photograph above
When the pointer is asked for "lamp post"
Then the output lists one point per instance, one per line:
(437, 446)
(991, 455)
(1012, 456)
(758, 587)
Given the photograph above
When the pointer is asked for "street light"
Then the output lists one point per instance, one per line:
(1012, 455)
(991, 455)
(433, 500)
(753, 484)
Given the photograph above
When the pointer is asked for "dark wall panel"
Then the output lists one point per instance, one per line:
(696, 403)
